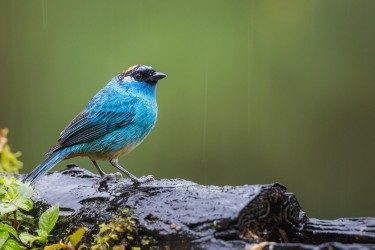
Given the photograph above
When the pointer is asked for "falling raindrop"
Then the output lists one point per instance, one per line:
(248, 78)
(250, 39)
(204, 159)
(45, 16)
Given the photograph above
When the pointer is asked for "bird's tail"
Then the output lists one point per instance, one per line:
(46, 165)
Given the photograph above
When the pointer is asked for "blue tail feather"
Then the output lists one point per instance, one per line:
(46, 165)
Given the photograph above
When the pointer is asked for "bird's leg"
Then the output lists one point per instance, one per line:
(134, 179)
(101, 172)
(114, 163)
(103, 176)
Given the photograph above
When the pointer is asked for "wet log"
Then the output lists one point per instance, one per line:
(180, 214)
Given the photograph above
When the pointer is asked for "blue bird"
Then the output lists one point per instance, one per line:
(116, 120)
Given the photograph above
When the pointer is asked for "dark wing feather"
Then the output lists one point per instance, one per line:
(91, 124)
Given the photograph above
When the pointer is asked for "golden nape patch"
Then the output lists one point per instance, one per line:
(126, 79)
(131, 68)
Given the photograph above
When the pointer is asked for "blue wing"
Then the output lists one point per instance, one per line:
(97, 120)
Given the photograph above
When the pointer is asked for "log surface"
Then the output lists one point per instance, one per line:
(181, 214)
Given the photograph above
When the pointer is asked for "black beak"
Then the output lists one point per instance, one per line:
(155, 77)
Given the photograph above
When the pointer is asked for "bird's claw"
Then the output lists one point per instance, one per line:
(108, 177)
(144, 179)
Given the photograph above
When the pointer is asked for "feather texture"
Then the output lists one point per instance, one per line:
(114, 122)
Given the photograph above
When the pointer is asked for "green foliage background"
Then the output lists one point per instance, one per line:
(257, 91)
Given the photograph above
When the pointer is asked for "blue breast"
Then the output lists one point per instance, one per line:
(129, 112)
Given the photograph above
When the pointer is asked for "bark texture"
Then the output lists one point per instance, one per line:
(180, 214)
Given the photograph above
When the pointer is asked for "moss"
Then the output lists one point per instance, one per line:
(121, 233)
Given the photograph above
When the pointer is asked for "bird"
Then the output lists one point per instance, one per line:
(115, 121)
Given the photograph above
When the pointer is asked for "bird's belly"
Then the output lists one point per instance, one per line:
(119, 142)
(108, 155)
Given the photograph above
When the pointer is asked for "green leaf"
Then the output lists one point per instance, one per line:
(48, 219)
(28, 239)
(4, 235)
(23, 218)
(9, 229)
(2, 190)
(11, 194)
(11, 244)
(43, 235)
(7, 208)
(76, 237)
(23, 203)
(19, 194)
(25, 190)
(56, 246)
(7, 181)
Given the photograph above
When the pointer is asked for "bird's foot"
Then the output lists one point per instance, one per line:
(132, 177)
(104, 178)
(143, 179)
(108, 177)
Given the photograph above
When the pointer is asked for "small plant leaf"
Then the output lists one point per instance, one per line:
(57, 246)
(23, 203)
(9, 229)
(7, 208)
(11, 244)
(23, 218)
(43, 235)
(2, 190)
(28, 239)
(76, 237)
(7, 181)
(49, 218)
(25, 190)
(4, 235)
(12, 193)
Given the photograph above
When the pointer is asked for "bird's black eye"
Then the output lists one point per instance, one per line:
(138, 77)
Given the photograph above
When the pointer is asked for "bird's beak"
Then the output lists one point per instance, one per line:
(155, 77)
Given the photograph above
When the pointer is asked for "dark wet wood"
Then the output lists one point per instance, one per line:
(181, 214)
(360, 230)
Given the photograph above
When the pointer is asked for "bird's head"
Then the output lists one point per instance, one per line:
(141, 73)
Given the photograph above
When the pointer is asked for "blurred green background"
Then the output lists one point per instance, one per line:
(257, 91)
